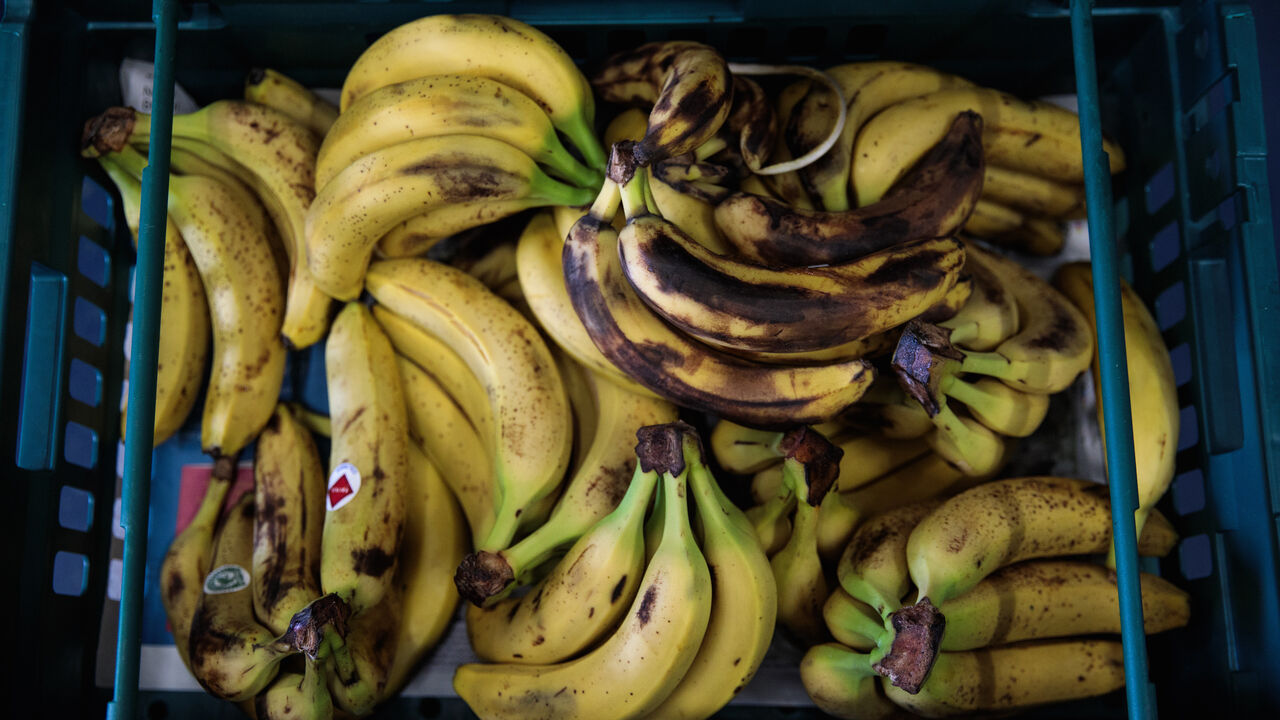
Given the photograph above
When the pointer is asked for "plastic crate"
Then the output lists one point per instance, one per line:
(1179, 90)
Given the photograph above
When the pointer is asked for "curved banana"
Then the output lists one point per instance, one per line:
(446, 105)
(991, 314)
(727, 302)
(1014, 677)
(627, 332)
(184, 318)
(597, 486)
(289, 484)
(278, 158)
(843, 684)
(281, 92)
(852, 622)
(744, 604)
(1001, 408)
(787, 186)
(417, 235)
(1032, 194)
(688, 205)
(493, 46)
(771, 520)
(294, 696)
(991, 219)
(533, 423)
(866, 458)
(868, 87)
(1153, 390)
(435, 539)
(360, 662)
(1032, 137)
(753, 122)
(873, 567)
(931, 201)
(386, 187)
(740, 449)
(950, 304)
(582, 599)
(245, 305)
(186, 562)
(688, 85)
(642, 662)
(365, 508)
(232, 656)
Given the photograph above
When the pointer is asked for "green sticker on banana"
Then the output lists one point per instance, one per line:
(226, 579)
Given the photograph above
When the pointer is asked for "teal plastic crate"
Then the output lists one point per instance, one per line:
(1178, 87)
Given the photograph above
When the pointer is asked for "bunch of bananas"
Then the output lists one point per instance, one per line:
(797, 261)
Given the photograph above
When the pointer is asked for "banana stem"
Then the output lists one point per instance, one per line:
(649, 203)
(128, 160)
(605, 205)
(709, 148)
(633, 195)
(812, 156)
(985, 363)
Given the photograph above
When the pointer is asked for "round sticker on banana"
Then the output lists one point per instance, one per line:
(344, 483)
(226, 579)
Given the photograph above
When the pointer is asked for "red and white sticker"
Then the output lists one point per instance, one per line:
(344, 483)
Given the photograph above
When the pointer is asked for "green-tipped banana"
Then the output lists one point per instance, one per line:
(843, 684)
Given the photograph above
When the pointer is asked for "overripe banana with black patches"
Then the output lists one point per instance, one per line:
(642, 662)
(1153, 391)
(626, 331)
(688, 204)
(1032, 137)
(245, 304)
(933, 200)
(445, 105)
(186, 562)
(231, 654)
(386, 187)
(184, 317)
(493, 46)
(726, 302)
(787, 186)
(1013, 677)
(598, 484)
(365, 501)
(752, 122)
(289, 490)
(281, 92)
(533, 423)
(582, 599)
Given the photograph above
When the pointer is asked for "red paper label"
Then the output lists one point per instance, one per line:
(344, 483)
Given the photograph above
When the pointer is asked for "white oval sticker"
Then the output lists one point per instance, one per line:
(226, 579)
(344, 483)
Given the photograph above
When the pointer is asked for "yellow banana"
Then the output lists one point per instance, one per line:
(991, 314)
(281, 92)
(295, 696)
(688, 207)
(533, 423)
(1032, 193)
(843, 683)
(492, 46)
(186, 562)
(852, 622)
(873, 567)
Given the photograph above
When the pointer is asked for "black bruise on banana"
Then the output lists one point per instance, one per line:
(933, 199)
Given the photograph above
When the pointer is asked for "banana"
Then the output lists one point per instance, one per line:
(231, 655)
(281, 92)
(1014, 677)
(843, 684)
(435, 539)
(583, 598)
(742, 450)
(787, 186)
(688, 86)
(641, 663)
(771, 520)
(1014, 230)
(186, 562)
(950, 304)
(726, 302)
(1001, 408)
(493, 46)
(1053, 598)
(594, 491)
(278, 157)
(873, 567)
(184, 318)
(693, 376)
(809, 471)
(446, 105)
(360, 658)
(365, 508)
(541, 273)
(1008, 521)
(421, 233)
(317, 423)
(752, 120)
(866, 458)
(245, 306)
(852, 622)
(533, 423)
(688, 206)
(991, 219)
(1152, 388)
(744, 600)
(1052, 346)
(386, 187)
(294, 696)
(288, 510)
(1031, 137)
(931, 201)
(1032, 193)
(868, 87)
(495, 267)
(886, 409)
(991, 314)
